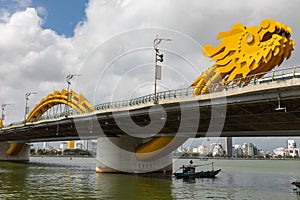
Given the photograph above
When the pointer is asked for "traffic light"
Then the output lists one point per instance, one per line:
(159, 57)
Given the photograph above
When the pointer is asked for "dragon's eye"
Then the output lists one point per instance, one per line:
(249, 38)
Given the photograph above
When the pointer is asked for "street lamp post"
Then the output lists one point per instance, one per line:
(159, 57)
(68, 79)
(2, 110)
(26, 104)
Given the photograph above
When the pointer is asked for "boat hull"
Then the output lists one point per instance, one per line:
(207, 174)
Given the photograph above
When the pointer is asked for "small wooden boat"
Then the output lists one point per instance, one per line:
(189, 171)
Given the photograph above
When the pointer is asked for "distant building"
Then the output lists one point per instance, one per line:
(46, 145)
(217, 149)
(226, 143)
(292, 148)
(294, 152)
(237, 150)
(291, 144)
(281, 151)
(195, 150)
(88, 145)
(250, 150)
(63, 145)
(71, 144)
(79, 145)
(202, 150)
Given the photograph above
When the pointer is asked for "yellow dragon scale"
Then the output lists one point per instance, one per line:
(245, 51)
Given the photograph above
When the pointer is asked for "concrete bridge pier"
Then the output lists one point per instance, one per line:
(117, 154)
(22, 155)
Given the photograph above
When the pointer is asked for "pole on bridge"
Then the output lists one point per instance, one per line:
(2, 110)
(158, 57)
(26, 104)
(68, 79)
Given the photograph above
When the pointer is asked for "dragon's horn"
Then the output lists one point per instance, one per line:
(235, 29)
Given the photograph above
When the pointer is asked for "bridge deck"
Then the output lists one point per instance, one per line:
(247, 111)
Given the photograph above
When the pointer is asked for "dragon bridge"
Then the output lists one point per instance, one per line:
(76, 101)
(243, 51)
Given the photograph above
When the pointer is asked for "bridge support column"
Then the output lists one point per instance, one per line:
(22, 156)
(117, 154)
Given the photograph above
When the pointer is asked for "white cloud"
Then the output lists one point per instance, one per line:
(10, 6)
(29, 57)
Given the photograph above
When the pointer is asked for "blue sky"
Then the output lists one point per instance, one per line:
(62, 16)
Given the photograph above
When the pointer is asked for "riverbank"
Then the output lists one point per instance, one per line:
(231, 158)
(62, 156)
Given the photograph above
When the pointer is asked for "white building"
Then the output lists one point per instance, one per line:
(63, 145)
(202, 150)
(292, 148)
(294, 152)
(88, 145)
(281, 151)
(291, 144)
(195, 150)
(217, 149)
(46, 145)
(79, 145)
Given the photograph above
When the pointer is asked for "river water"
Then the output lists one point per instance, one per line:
(62, 178)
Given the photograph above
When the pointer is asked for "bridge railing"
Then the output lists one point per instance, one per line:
(275, 75)
(169, 94)
(265, 77)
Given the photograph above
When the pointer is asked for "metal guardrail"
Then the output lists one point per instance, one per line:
(275, 75)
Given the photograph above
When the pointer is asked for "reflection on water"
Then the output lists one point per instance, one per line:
(62, 178)
(125, 186)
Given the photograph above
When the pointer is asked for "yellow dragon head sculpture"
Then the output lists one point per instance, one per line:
(245, 51)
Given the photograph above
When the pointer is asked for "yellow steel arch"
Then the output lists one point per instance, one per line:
(1, 123)
(77, 102)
